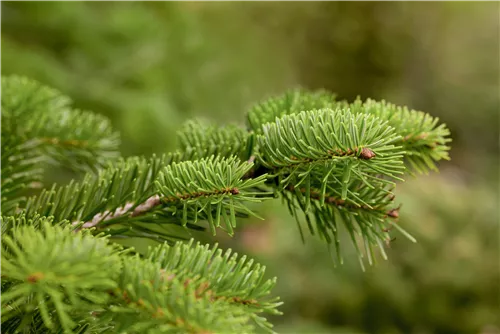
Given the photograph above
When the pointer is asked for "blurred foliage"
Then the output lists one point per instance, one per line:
(151, 65)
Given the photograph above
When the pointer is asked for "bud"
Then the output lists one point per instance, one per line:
(366, 154)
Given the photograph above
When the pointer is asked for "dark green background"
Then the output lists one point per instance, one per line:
(151, 65)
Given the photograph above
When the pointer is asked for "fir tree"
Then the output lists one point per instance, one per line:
(335, 164)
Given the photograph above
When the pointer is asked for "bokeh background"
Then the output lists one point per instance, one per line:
(150, 66)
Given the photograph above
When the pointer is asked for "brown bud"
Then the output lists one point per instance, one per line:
(394, 213)
(366, 154)
(35, 277)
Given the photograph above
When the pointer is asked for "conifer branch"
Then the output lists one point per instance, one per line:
(424, 141)
(208, 186)
(332, 162)
(149, 205)
(181, 288)
(337, 201)
(205, 139)
(74, 138)
(55, 272)
(324, 143)
(20, 169)
(291, 102)
(251, 293)
(369, 223)
(134, 196)
(322, 153)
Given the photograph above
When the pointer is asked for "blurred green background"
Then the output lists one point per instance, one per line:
(149, 66)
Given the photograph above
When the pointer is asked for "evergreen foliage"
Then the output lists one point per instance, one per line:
(424, 140)
(72, 137)
(63, 269)
(205, 139)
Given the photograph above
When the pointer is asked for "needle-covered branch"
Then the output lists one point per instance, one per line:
(108, 198)
(56, 273)
(239, 281)
(205, 139)
(64, 270)
(71, 280)
(211, 187)
(424, 140)
(326, 144)
(74, 138)
(152, 197)
(368, 219)
(291, 102)
(20, 169)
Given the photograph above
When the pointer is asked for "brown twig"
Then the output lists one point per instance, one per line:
(393, 213)
(141, 209)
(151, 203)
(71, 142)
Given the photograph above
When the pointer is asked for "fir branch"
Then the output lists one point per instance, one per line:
(149, 299)
(135, 196)
(206, 139)
(366, 224)
(223, 272)
(108, 200)
(291, 102)
(20, 169)
(202, 277)
(55, 270)
(208, 186)
(324, 135)
(179, 289)
(423, 139)
(296, 146)
(23, 97)
(149, 205)
(74, 138)
(332, 161)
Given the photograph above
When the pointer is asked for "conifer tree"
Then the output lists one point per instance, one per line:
(335, 165)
